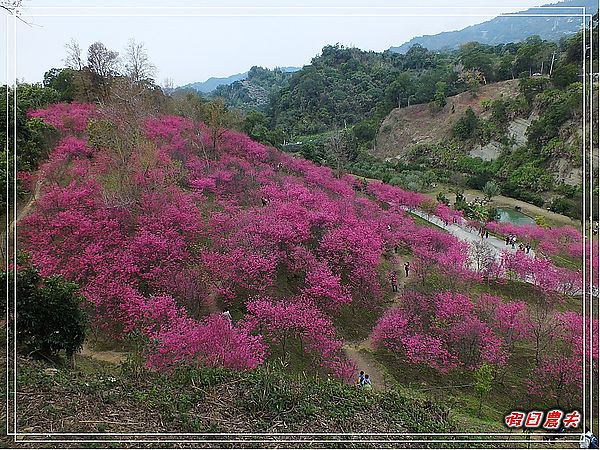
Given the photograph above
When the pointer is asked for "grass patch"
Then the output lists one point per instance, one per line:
(420, 221)
(208, 400)
(355, 323)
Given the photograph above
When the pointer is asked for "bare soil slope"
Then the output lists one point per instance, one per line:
(423, 123)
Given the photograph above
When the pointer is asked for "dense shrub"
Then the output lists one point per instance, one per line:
(49, 311)
(465, 127)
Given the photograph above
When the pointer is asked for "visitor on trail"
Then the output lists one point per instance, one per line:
(588, 440)
(394, 280)
(521, 247)
(407, 267)
(507, 240)
(361, 378)
(487, 234)
(527, 248)
(227, 315)
(367, 384)
(513, 241)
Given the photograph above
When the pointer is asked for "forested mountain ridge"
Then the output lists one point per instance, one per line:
(213, 82)
(256, 89)
(334, 112)
(524, 134)
(514, 28)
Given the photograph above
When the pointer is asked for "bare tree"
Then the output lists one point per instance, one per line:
(168, 85)
(337, 149)
(102, 61)
(12, 6)
(137, 64)
(74, 59)
(542, 324)
(103, 66)
(482, 256)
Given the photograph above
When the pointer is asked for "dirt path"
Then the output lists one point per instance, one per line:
(21, 212)
(108, 356)
(361, 353)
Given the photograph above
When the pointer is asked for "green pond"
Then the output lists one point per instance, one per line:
(513, 216)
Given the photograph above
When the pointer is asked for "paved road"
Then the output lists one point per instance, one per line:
(466, 234)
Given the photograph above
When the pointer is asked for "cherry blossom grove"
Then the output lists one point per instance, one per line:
(163, 231)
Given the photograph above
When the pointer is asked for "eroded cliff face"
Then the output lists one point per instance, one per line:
(424, 123)
(405, 128)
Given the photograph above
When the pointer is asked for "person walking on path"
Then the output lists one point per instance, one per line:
(407, 267)
(227, 316)
(394, 280)
(361, 378)
(367, 383)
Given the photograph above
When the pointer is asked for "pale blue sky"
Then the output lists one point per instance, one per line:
(190, 48)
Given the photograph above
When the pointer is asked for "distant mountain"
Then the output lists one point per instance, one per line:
(505, 29)
(213, 82)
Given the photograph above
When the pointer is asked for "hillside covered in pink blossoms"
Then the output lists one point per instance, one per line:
(163, 231)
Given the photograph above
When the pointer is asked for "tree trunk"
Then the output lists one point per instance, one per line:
(71, 360)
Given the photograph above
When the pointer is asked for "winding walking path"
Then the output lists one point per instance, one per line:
(361, 353)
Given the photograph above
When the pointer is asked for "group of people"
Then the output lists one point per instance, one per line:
(394, 276)
(454, 221)
(484, 233)
(364, 381)
(511, 240)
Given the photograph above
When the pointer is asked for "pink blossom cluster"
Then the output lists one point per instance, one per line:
(300, 319)
(448, 330)
(66, 117)
(160, 234)
(565, 240)
(558, 375)
(542, 273)
(448, 215)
